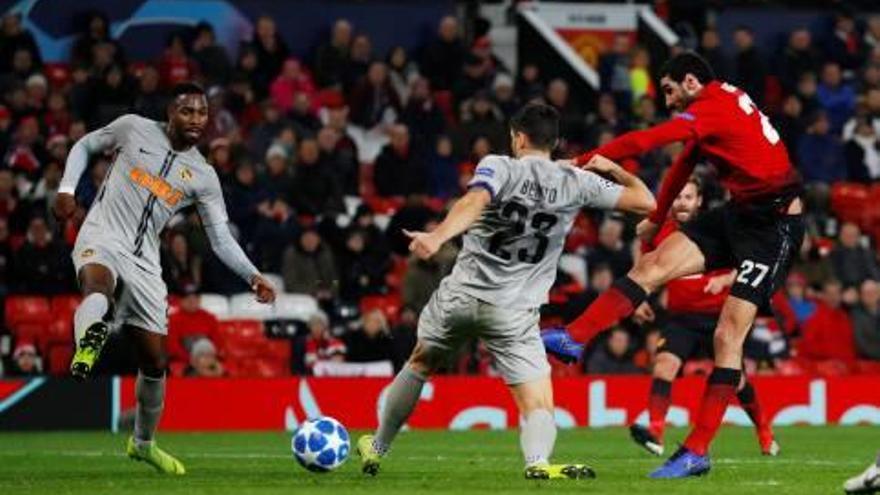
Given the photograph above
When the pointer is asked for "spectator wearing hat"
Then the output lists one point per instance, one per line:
(203, 360)
(25, 361)
(866, 321)
(320, 345)
(189, 324)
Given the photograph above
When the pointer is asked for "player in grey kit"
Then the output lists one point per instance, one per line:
(156, 171)
(517, 214)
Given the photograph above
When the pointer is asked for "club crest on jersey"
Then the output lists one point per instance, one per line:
(186, 174)
(87, 253)
(156, 185)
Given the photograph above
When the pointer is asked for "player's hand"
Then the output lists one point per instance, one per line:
(646, 230)
(65, 205)
(717, 284)
(600, 164)
(423, 244)
(644, 314)
(264, 289)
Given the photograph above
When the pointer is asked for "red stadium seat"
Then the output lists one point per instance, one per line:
(446, 104)
(27, 309)
(394, 277)
(59, 332)
(278, 349)
(177, 368)
(241, 339)
(65, 305)
(848, 201)
(57, 359)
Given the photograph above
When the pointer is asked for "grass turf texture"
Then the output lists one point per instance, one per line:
(813, 460)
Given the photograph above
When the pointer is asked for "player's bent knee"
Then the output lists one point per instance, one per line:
(667, 366)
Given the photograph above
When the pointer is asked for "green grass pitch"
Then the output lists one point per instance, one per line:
(814, 460)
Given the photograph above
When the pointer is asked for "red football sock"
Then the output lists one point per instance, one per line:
(658, 406)
(616, 303)
(719, 392)
(749, 402)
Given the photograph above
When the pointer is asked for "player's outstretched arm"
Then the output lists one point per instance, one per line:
(635, 197)
(635, 143)
(463, 214)
(230, 253)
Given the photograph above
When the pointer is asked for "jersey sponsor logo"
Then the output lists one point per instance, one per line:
(485, 172)
(156, 185)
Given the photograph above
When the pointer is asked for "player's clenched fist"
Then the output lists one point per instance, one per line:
(423, 245)
(264, 289)
(599, 163)
(65, 205)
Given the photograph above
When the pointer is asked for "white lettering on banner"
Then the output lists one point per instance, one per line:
(493, 417)
(735, 415)
(677, 416)
(309, 406)
(813, 413)
(861, 415)
(563, 418)
(427, 394)
(600, 415)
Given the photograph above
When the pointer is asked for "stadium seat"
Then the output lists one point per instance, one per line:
(394, 277)
(276, 280)
(59, 332)
(299, 307)
(65, 305)
(848, 201)
(58, 358)
(352, 203)
(278, 349)
(575, 266)
(216, 304)
(241, 339)
(245, 307)
(27, 309)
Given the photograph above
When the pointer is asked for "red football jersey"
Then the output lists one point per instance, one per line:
(725, 127)
(688, 294)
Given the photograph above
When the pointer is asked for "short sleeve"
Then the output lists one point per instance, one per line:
(492, 174)
(598, 192)
(210, 202)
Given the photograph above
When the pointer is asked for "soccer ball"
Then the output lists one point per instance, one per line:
(320, 444)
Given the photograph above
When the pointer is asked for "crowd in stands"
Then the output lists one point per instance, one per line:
(325, 160)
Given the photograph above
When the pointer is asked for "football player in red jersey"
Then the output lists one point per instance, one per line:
(692, 305)
(757, 232)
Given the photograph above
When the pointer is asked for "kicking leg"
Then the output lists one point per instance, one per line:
(90, 321)
(150, 394)
(534, 400)
(403, 395)
(675, 257)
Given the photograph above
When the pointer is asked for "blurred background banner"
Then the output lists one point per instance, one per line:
(457, 403)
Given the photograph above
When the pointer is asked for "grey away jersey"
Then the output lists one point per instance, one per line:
(510, 254)
(146, 184)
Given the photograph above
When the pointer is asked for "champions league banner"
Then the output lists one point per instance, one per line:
(455, 402)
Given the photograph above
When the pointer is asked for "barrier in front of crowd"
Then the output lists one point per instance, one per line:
(454, 402)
